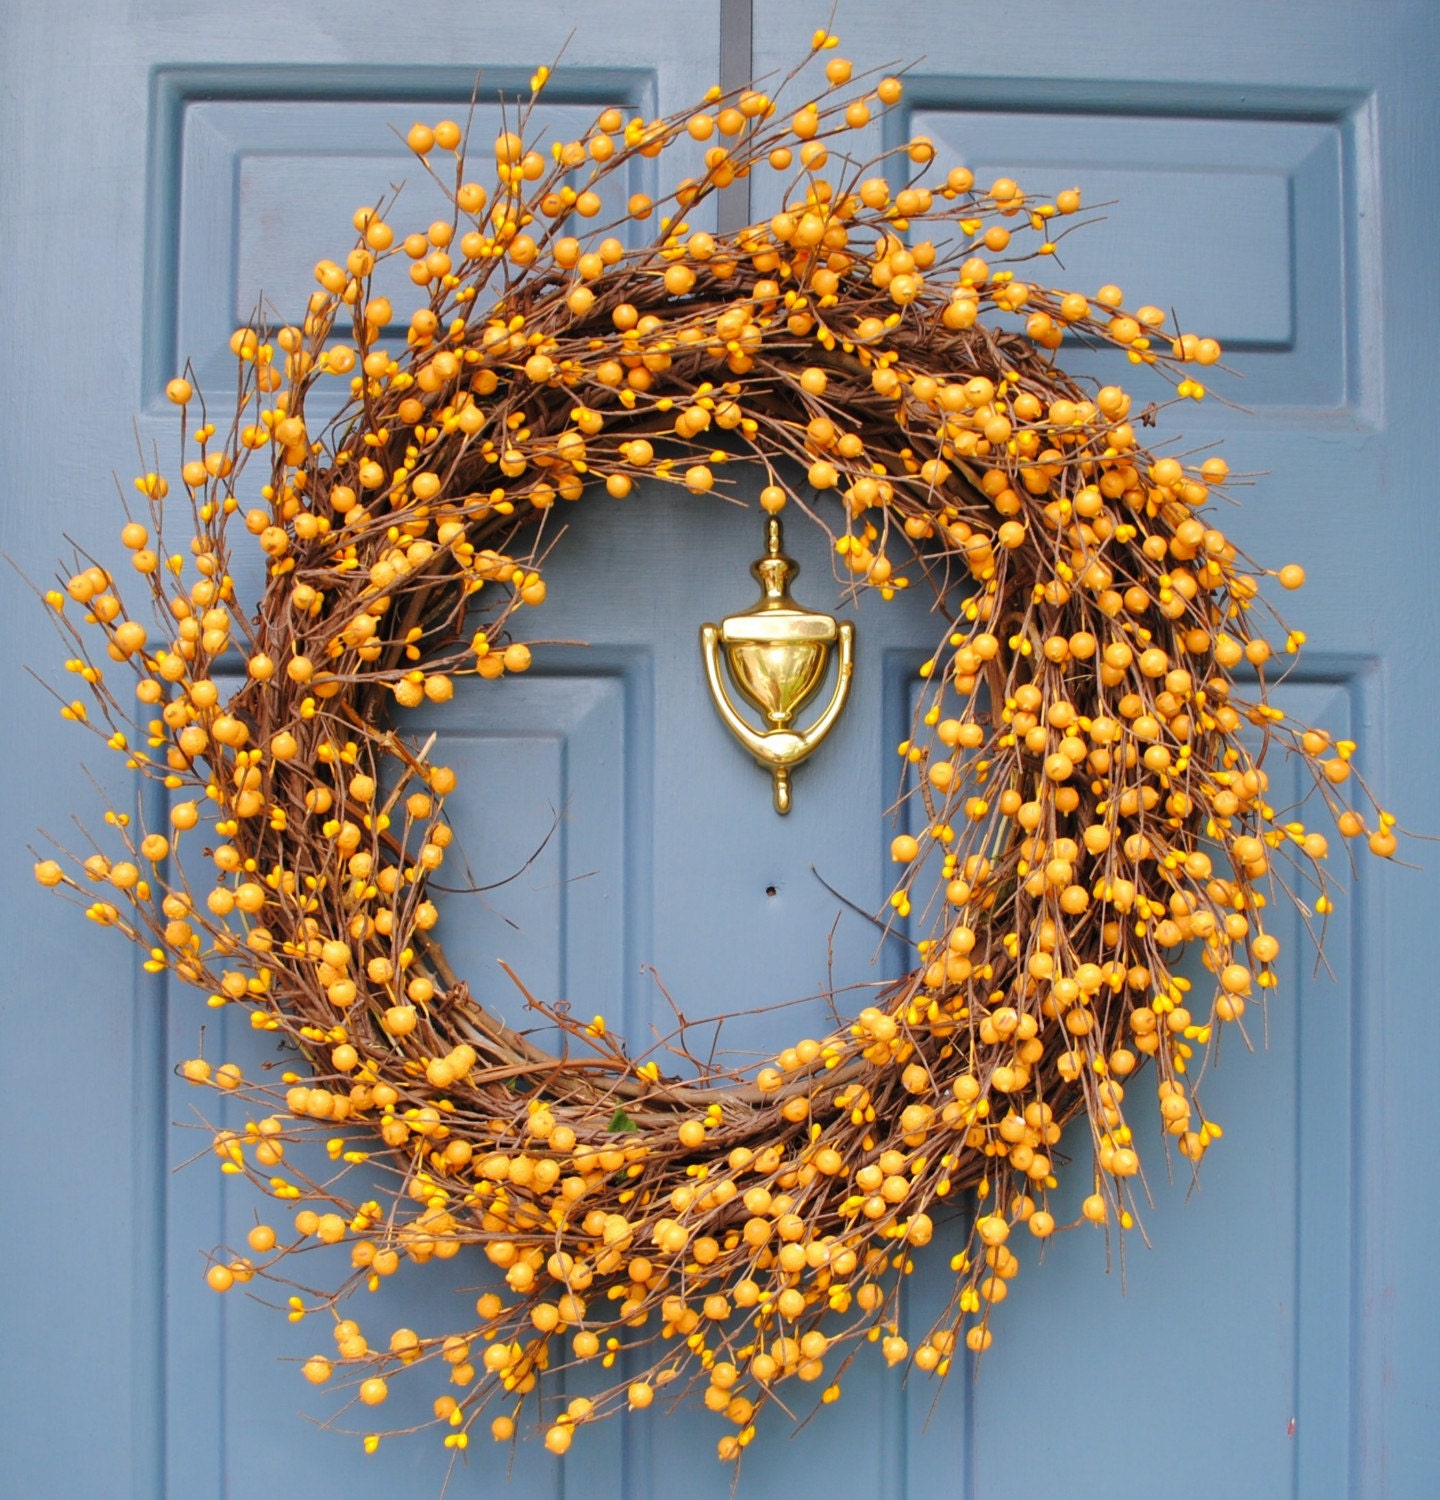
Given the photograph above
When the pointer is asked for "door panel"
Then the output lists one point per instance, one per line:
(156, 182)
(1243, 1353)
(1273, 178)
(268, 186)
(1212, 202)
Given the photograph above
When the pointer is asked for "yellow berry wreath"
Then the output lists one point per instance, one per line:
(878, 354)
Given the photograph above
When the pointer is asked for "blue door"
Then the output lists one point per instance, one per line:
(1272, 175)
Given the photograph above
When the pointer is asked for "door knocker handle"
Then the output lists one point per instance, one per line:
(777, 655)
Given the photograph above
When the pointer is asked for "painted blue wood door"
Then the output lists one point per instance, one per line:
(1276, 178)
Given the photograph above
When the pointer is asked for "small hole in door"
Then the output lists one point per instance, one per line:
(770, 890)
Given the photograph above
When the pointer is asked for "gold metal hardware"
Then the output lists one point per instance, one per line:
(778, 654)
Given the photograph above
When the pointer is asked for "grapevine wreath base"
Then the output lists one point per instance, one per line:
(880, 351)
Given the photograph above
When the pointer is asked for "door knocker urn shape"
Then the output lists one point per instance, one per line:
(777, 654)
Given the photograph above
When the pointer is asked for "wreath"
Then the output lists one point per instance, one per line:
(1088, 755)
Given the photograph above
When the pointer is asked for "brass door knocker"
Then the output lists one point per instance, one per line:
(778, 654)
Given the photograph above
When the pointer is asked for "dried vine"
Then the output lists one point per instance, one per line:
(1093, 806)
